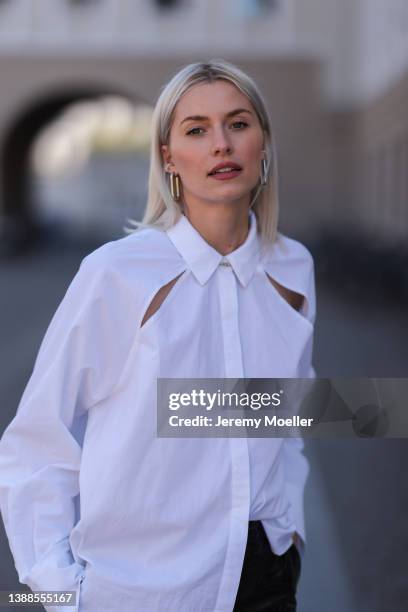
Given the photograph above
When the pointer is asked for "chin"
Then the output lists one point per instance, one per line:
(233, 191)
(234, 196)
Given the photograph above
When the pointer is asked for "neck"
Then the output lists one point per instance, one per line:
(224, 227)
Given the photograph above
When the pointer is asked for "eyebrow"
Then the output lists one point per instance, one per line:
(236, 111)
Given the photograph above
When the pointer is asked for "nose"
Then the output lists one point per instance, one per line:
(221, 144)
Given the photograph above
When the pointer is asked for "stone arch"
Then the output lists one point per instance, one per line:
(19, 228)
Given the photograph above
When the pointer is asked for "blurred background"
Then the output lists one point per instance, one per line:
(79, 79)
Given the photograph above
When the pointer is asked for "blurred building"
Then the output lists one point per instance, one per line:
(334, 73)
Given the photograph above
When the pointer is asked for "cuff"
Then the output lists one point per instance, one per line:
(56, 571)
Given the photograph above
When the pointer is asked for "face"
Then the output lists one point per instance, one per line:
(215, 123)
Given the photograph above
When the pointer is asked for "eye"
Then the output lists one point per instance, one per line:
(193, 132)
(240, 123)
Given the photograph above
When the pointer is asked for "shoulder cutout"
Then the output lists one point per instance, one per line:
(158, 299)
(289, 267)
(294, 299)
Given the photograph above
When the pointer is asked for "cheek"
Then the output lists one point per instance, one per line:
(253, 152)
(190, 159)
(183, 154)
(254, 164)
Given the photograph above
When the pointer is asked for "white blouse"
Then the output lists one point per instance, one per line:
(92, 500)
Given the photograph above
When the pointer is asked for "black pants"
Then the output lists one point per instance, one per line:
(268, 581)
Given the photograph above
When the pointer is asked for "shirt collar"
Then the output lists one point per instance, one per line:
(203, 259)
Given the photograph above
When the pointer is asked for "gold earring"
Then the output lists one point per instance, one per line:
(175, 186)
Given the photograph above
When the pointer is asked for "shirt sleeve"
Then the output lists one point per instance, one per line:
(296, 464)
(78, 364)
(309, 312)
(291, 264)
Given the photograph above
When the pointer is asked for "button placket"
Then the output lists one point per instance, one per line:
(240, 478)
(228, 292)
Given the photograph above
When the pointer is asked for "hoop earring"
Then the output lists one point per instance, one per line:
(175, 186)
(264, 172)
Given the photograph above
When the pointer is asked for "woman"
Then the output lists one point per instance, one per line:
(93, 501)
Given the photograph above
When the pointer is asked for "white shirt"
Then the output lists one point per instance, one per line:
(160, 523)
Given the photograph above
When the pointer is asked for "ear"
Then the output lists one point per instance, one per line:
(166, 157)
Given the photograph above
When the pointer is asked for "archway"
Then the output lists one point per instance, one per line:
(21, 227)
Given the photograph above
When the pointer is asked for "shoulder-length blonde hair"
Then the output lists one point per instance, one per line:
(162, 212)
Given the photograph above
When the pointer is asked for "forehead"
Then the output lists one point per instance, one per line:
(211, 98)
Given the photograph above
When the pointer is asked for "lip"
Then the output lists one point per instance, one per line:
(225, 165)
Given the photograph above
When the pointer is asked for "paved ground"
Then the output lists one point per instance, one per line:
(357, 494)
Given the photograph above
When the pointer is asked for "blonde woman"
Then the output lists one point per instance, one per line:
(92, 500)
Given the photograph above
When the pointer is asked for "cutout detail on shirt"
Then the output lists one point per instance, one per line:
(294, 299)
(159, 298)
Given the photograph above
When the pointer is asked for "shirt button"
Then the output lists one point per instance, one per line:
(224, 262)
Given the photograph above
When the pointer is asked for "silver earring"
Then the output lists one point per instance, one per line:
(264, 172)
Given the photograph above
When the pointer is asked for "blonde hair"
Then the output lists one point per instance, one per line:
(162, 212)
